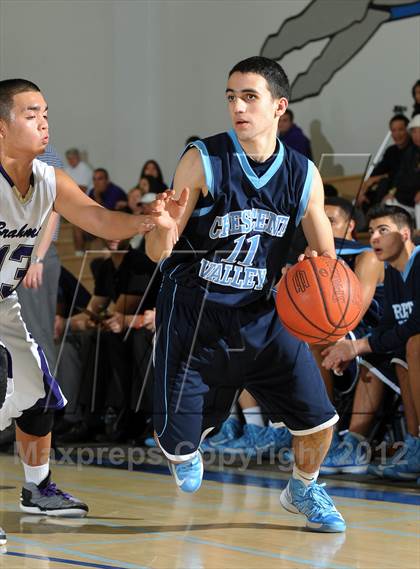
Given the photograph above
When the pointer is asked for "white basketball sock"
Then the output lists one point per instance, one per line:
(253, 416)
(36, 474)
(306, 477)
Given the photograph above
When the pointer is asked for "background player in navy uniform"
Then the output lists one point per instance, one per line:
(398, 333)
(217, 327)
(344, 455)
(29, 190)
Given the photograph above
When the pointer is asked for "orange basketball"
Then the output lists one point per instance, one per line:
(319, 300)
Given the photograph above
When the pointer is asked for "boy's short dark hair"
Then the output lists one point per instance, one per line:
(399, 215)
(346, 207)
(8, 89)
(399, 117)
(273, 73)
(103, 171)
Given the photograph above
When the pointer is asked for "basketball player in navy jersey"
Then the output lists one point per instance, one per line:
(29, 191)
(344, 454)
(390, 229)
(217, 327)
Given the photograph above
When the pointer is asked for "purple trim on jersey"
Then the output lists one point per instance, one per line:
(53, 398)
(6, 176)
(9, 363)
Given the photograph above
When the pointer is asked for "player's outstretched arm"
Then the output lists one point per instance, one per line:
(178, 206)
(315, 223)
(84, 212)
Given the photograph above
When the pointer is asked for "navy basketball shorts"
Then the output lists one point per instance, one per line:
(383, 366)
(205, 352)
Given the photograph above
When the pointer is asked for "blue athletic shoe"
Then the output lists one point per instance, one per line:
(229, 431)
(150, 442)
(281, 438)
(407, 467)
(348, 455)
(188, 475)
(313, 502)
(260, 440)
(252, 439)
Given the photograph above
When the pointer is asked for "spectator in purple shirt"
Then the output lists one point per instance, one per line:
(293, 136)
(105, 192)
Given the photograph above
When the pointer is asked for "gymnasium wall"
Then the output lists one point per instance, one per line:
(130, 80)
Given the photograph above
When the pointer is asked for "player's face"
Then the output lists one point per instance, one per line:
(341, 226)
(399, 132)
(386, 239)
(252, 109)
(26, 133)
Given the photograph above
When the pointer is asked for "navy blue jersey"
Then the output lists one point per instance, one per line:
(348, 250)
(401, 318)
(238, 237)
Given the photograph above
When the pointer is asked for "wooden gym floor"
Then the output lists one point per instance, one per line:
(139, 520)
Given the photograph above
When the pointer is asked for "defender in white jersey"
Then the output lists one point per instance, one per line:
(29, 191)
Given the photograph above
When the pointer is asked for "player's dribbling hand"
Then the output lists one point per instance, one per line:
(33, 277)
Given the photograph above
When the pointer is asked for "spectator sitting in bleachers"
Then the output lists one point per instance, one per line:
(107, 194)
(151, 168)
(370, 272)
(415, 91)
(292, 135)
(78, 170)
(149, 185)
(120, 284)
(133, 201)
(383, 176)
(407, 180)
(398, 334)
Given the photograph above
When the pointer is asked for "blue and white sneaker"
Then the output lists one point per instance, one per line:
(188, 475)
(349, 455)
(408, 466)
(281, 438)
(252, 439)
(313, 502)
(260, 440)
(229, 431)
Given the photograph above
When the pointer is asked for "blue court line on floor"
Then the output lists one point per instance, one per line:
(385, 531)
(116, 564)
(70, 561)
(267, 554)
(265, 482)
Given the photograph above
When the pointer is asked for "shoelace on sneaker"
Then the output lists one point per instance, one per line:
(52, 490)
(315, 501)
